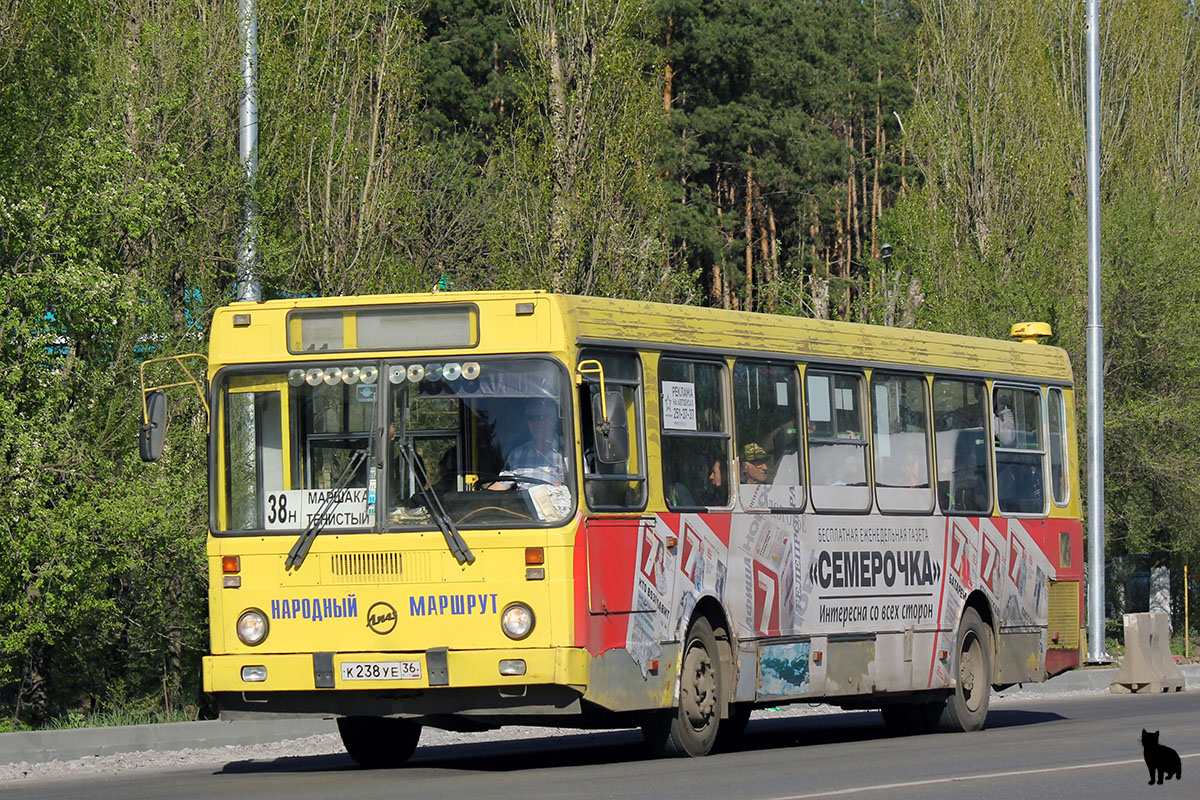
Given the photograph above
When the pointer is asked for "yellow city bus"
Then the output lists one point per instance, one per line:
(471, 509)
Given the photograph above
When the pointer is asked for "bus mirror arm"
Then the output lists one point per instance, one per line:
(593, 367)
(611, 433)
(153, 429)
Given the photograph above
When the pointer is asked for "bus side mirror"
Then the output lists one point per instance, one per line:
(154, 426)
(611, 435)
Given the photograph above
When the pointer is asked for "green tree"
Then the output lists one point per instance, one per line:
(114, 182)
(467, 59)
(784, 115)
(996, 233)
(582, 209)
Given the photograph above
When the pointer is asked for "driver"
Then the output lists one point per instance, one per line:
(539, 458)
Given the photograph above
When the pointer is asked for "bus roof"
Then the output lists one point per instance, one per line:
(676, 328)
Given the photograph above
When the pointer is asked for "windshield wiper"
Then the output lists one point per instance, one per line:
(318, 522)
(453, 538)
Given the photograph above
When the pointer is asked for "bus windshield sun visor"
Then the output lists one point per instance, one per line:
(319, 520)
(433, 502)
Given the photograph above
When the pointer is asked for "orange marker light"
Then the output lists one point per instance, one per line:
(231, 563)
(534, 556)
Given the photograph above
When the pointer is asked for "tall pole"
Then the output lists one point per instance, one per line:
(1095, 351)
(248, 286)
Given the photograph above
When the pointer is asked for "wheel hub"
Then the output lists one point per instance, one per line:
(968, 669)
(699, 689)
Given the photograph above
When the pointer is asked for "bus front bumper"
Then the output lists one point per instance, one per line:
(265, 674)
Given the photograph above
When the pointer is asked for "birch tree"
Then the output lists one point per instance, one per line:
(586, 206)
(997, 231)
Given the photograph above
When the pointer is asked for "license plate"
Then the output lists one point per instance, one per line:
(381, 670)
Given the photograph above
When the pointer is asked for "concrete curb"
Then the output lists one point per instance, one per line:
(1098, 680)
(36, 747)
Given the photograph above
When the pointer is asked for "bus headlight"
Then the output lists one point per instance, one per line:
(252, 627)
(517, 620)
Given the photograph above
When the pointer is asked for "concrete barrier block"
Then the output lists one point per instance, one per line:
(1147, 666)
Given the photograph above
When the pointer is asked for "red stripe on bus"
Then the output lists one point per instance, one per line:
(941, 597)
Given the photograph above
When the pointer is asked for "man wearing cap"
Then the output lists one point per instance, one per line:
(755, 464)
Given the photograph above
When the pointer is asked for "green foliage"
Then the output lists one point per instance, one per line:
(754, 154)
(996, 234)
(466, 60)
(782, 118)
(582, 209)
(101, 589)
(1152, 416)
(1000, 155)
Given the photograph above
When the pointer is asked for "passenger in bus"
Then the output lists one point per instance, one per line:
(718, 495)
(538, 460)
(1004, 422)
(914, 473)
(756, 463)
(850, 470)
(680, 496)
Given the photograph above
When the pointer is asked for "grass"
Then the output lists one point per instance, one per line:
(1116, 645)
(110, 719)
(104, 719)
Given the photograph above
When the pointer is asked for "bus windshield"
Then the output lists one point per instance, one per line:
(324, 444)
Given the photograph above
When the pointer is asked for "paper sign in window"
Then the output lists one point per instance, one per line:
(883, 438)
(818, 398)
(678, 406)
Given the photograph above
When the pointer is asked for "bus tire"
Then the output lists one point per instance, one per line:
(379, 742)
(690, 729)
(967, 706)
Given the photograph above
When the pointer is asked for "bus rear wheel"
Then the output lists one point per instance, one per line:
(379, 742)
(690, 729)
(967, 706)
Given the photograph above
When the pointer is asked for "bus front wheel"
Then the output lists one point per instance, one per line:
(691, 727)
(967, 706)
(379, 742)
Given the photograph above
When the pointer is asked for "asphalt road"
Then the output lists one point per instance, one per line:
(1073, 747)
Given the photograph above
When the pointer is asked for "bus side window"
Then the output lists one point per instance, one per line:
(1019, 450)
(837, 444)
(695, 434)
(961, 446)
(1058, 445)
(766, 403)
(620, 485)
(900, 412)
